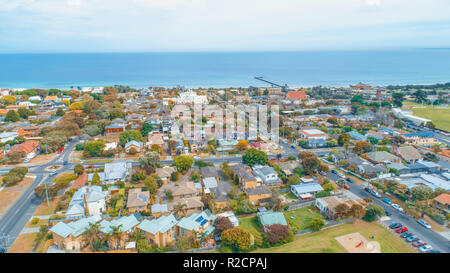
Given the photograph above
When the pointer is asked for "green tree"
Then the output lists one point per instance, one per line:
(421, 193)
(183, 163)
(316, 224)
(146, 128)
(12, 116)
(237, 238)
(151, 183)
(344, 139)
(127, 136)
(78, 169)
(94, 148)
(255, 156)
(60, 112)
(397, 99)
(96, 179)
(420, 96)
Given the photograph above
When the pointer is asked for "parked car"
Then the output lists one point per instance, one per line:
(419, 243)
(53, 173)
(423, 223)
(65, 162)
(90, 166)
(401, 230)
(395, 225)
(406, 234)
(397, 207)
(349, 179)
(386, 200)
(293, 146)
(334, 171)
(434, 251)
(375, 193)
(367, 189)
(341, 175)
(388, 213)
(425, 248)
(412, 238)
(2, 250)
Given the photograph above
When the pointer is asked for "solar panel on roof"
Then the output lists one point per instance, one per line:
(199, 219)
(203, 222)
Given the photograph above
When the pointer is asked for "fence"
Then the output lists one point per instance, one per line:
(301, 204)
(331, 223)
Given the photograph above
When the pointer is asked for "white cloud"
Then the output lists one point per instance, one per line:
(73, 2)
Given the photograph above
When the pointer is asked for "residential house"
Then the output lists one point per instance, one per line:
(196, 224)
(159, 210)
(422, 138)
(310, 134)
(189, 204)
(7, 136)
(268, 218)
(288, 167)
(210, 171)
(116, 171)
(243, 174)
(443, 202)
(209, 185)
(160, 231)
(138, 200)
(356, 136)
(409, 154)
(231, 216)
(296, 95)
(259, 195)
(382, 157)
(306, 191)
(165, 173)
(268, 175)
(114, 129)
(327, 206)
(136, 145)
(125, 224)
(156, 139)
(221, 201)
(372, 170)
(68, 236)
(30, 148)
(88, 200)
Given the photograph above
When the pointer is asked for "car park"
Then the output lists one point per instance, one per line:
(425, 248)
(386, 200)
(412, 238)
(424, 223)
(419, 243)
(401, 230)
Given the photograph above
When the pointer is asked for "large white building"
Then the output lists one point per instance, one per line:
(191, 97)
(401, 114)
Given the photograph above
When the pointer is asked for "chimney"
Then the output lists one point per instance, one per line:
(86, 211)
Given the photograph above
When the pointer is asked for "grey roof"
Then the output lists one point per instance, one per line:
(209, 171)
(306, 188)
(258, 190)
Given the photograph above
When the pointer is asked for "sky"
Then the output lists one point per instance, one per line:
(33, 26)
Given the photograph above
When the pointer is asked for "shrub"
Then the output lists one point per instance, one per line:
(225, 249)
(34, 221)
(317, 223)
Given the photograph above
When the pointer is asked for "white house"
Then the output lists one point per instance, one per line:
(306, 191)
(7, 136)
(310, 134)
(88, 200)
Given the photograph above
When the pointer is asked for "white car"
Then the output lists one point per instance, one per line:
(397, 207)
(341, 175)
(423, 223)
(425, 248)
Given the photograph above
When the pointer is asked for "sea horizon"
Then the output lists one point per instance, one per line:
(225, 69)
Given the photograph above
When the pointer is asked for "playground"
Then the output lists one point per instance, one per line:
(356, 243)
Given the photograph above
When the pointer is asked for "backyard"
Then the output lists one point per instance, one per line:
(303, 216)
(324, 241)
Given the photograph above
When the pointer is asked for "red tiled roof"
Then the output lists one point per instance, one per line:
(27, 147)
(443, 198)
(296, 95)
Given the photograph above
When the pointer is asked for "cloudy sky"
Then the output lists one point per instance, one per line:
(221, 25)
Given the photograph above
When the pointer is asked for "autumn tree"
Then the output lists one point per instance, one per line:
(78, 169)
(277, 233)
(237, 238)
(222, 223)
(356, 211)
(242, 145)
(362, 147)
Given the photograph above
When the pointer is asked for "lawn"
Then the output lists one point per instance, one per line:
(9, 195)
(323, 241)
(439, 116)
(24, 243)
(303, 216)
(251, 224)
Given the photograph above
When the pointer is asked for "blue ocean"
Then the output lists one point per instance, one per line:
(225, 69)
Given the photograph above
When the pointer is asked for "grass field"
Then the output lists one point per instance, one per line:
(323, 241)
(439, 116)
(303, 216)
(251, 224)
